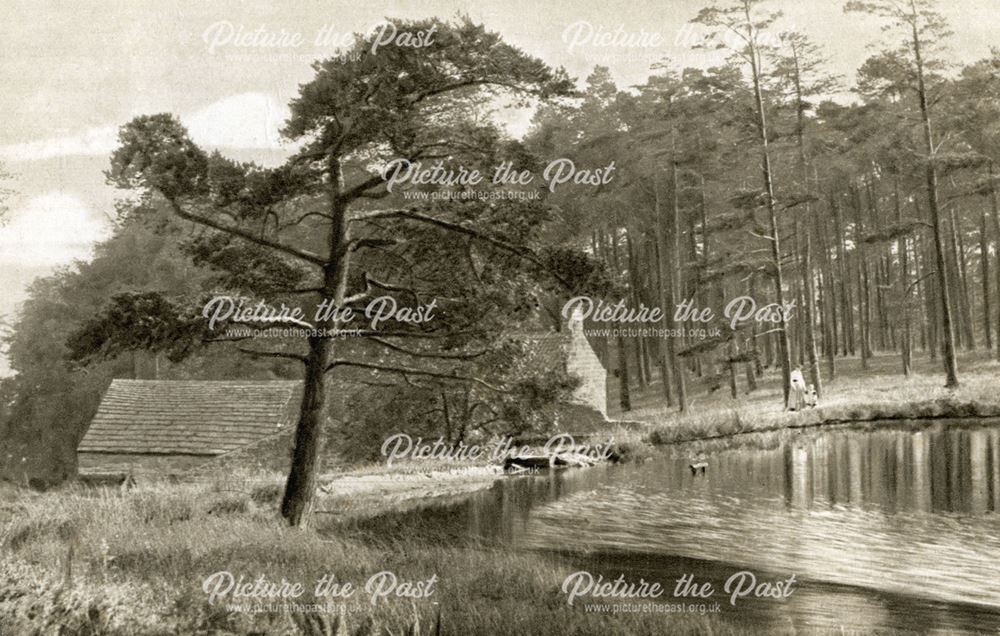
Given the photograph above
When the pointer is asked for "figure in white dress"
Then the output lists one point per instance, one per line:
(797, 400)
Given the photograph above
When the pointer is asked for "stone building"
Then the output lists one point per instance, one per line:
(586, 411)
(170, 426)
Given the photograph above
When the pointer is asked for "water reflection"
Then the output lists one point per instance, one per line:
(942, 470)
(887, 526)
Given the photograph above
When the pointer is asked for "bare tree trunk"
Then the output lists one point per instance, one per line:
(808, 290)
(984, 273)
(663, 278)
(692, 289)
(933, 307)
(730, 354)
(960, 272)
(864, 287)
(775, 239)
(927, 315)
(904, 283)
(829, 296)
(885, 338)
(647, 293)
(758, 370)
(995, 209)
(624, 396)
(634, 287)
(810, 313)
(847, 311)
(950, 364)
(624, 379)
(677, 366)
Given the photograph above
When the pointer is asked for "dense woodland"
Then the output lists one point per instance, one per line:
(877, 216)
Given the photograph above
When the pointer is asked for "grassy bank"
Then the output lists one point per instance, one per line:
(134, 563)
(857, 394)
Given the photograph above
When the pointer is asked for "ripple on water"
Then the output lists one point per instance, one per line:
(898, 511)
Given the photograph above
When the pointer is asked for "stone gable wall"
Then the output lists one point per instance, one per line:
(583, 362)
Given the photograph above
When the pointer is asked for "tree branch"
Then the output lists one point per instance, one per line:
(362, 188)
(412, 215)
(405, 372)
(271, 354)
(359, 243)
(428, 354)
(246, 235)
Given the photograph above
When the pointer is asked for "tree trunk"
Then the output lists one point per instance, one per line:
(300, 488)
(984, 273)
(961, 279)
(864, 283)
(675, 286)
(808, 290)
(647, 294)
(784, 349)
(995, 209)
(634, 289)
(663, 278)
(847, 311)
(829, 296)
(624, 378)
(624, 397)
(904, 283)
(731, 353)
(950, 364)
(882, 273)
(810, 311)
(932, 311)
(758, 369)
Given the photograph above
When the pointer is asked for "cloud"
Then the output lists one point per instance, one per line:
(248, 120)
(50, 229)
(96, 141)
(244, 121)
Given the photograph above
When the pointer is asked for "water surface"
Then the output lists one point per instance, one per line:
(885, 527)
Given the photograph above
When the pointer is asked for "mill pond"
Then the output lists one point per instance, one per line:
(884, 526)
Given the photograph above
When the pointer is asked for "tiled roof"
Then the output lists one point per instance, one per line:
(193, 417)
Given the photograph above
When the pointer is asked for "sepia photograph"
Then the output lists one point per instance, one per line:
(619, 317)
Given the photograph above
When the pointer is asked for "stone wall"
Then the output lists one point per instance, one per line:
(159, 465)
(582, 361)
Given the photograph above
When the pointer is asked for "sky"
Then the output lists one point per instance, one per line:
(73, 72)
